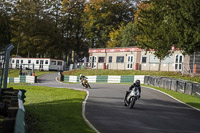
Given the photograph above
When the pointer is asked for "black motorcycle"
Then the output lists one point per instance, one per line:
(131, 97)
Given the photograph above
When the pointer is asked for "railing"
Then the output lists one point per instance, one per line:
(4, 63)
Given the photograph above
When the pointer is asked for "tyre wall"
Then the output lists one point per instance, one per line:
(181, 86)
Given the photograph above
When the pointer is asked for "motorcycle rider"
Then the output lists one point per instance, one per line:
(82, 77)
(136, 84)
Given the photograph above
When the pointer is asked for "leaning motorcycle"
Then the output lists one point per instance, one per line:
(85, 83)
(131, 97)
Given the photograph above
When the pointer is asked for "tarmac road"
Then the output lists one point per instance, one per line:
(154, 112)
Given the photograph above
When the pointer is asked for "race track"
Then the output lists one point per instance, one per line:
(154, 112)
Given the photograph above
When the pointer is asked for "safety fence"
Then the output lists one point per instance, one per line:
(19, 121)
(105, 79)
(23, 79)
(181, 86)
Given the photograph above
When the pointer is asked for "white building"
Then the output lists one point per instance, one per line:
(133, 58)
(45, 64)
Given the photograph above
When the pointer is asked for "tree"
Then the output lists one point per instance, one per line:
(154, 28)
(5, 32)
(123, 37)
(102, 17)
(72, 26)
(114, 37)
(35, 31)
(128, 36)
(186, 21)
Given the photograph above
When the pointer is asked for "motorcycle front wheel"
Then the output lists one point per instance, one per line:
(131, 102)
(89, 86)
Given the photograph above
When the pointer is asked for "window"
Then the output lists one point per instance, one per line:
(60, 63)
(144, 59)
(37, 61)
(120, 59)
(46, 62)
(178, 62)
(110, 59)
(41, 61)
(176, 59)
(21, 61)
(29, 61)
(53, 62)
(13, 61)
(17, 61)
(101, 59)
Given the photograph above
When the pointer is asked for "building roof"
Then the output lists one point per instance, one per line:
(34, 58)
(117, 49)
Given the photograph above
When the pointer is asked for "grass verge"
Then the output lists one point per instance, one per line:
(188, 99)
(54, 110)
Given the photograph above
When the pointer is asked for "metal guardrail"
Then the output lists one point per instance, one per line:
(4, 65)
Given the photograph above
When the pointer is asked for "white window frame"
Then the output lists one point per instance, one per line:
(178, 64)
(130, 63)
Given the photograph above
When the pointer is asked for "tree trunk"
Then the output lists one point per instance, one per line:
(159, 65)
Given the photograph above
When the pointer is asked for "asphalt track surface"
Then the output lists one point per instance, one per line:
(154, 112)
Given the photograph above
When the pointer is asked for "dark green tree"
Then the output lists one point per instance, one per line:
(155, 28)
(5, 32)
(186, 19)
(101, 17)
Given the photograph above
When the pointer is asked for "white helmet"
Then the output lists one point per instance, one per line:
(81, 75)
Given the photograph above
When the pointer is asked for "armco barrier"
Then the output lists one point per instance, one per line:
(102, 79)
(23, 79)
(73, 79)
(181, 86)
(138, 77)
(196, 89)
(106, 79)
(188, 88)
(66, 78)
(114, 79)
(174, 85)
(178, 85)
(127, 79)
(19, 121)
(168, 83)
(92, 79)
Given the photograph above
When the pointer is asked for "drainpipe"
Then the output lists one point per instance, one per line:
(193, 63)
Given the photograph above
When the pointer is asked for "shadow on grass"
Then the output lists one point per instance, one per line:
(59, 116)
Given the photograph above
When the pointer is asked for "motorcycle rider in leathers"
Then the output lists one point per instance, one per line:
(136, 84)
(82, 77)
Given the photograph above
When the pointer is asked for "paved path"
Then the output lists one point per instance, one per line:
(153, 113)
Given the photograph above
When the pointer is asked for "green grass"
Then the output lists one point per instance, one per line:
(54, 110)
(116, 72)
(188, 99)
(131, 72)
(15, 72)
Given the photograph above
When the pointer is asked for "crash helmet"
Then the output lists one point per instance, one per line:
(137, 82)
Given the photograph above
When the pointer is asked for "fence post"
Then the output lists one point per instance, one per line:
(7, 57)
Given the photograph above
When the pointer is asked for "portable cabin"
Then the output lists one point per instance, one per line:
(45, 64)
